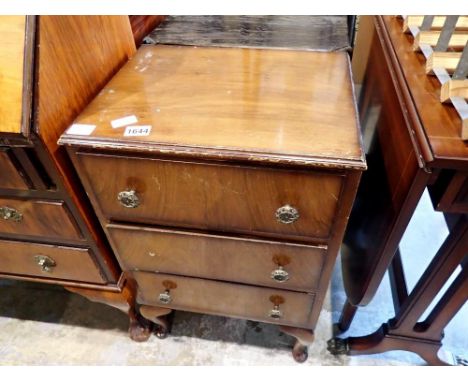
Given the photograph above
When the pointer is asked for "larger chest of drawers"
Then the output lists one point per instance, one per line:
(224, 178)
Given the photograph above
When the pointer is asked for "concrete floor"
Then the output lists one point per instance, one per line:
(45, 325)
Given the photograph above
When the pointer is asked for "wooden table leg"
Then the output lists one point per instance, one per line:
(404, 332)
(347, 315)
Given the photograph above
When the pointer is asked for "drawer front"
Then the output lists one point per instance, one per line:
(48, 261)
(215, 297)
(43, 218)
(10, 178)
(214, 197)
(218, 257)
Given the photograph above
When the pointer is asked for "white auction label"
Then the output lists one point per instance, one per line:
(137, 131)
(124, 121)
(81, 129)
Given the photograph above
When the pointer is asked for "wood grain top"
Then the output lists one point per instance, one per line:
(12, 43)
(440, 122)
(259, 103)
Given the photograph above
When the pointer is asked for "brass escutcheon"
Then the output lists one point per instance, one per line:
(128, 199)
(280, 275)
(287, 214)
(8, 213)
(45, 262)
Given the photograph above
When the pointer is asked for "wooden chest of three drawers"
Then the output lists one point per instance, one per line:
(223, 178)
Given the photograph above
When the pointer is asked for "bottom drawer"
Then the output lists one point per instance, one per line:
(225, 299)
(48, 261)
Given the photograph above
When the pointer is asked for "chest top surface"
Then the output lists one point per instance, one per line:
(258, 104)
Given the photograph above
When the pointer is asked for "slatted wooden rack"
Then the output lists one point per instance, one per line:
(443, 40)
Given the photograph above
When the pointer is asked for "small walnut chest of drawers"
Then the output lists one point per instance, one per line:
(223, 178)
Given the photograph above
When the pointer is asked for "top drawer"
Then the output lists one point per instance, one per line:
(9, 175)
(214, 196)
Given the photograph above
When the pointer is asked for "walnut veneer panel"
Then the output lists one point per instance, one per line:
(215, 197)
(225, 299)
(44, 218)
(70, 263)
(218, 257)
(9, 175)
(76, 57)
(253, 101)
(12, 43)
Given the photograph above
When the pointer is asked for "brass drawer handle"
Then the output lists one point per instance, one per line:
(287, 214)
(276, 313)
(280, 275)
(45, 262)
(129, 199)
(7, 213)
(165, 297)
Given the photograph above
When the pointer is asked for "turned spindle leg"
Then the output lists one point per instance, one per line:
(304, 338)
(159, 316)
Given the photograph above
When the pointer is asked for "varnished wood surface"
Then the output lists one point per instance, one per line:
(215, 196)
(234, 259)
(69, 73)
(442, 124)
(324, 33)
(261, 104)
(12, 43)
(71, 263)
(41, 218)
(221, 298)
(10, 177)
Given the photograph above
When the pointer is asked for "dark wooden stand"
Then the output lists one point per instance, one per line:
(413, 145)
(404, 332)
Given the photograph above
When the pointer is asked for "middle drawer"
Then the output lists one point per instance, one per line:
(250, 261)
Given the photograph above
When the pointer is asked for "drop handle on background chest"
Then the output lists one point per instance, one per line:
(165, 297)
(276, 313)
(46, 263)
(8, 213)
(128, 198)
(287, 214)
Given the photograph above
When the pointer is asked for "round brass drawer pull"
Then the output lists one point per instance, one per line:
(280, 275)
(165, 297)
(45, 262)
(129, 199)
(287, 214)
(8, 213)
